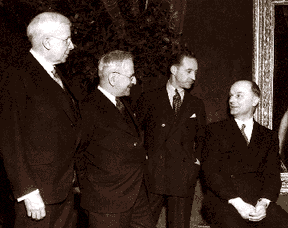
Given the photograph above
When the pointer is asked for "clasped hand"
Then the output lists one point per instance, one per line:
(248, 211)
(35, 207)
(259, 213)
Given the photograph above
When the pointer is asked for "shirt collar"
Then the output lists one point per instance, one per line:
(46, 65)
(248, 123)
(171, 89)
(111, 97)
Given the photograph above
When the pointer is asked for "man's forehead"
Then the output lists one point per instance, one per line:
(241, 87)
(189, 63)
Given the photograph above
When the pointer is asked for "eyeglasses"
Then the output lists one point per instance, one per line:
(130, 77)
(67, 40)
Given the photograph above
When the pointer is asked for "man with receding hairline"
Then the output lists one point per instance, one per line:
(39, 121)
(242, 166)
(112, 155)
(173, 121)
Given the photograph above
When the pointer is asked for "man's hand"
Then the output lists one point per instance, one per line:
(260, 211)
(243, 208)
(35, 206)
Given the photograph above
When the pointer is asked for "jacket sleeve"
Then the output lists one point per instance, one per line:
(216, 181)
(271, 170)
(13, 103)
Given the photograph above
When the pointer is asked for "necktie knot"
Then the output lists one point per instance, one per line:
(176, 101)
(243, 133)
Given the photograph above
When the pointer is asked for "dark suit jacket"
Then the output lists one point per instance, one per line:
(233, 169)
(111, 157)
(173, 144)
(38, 132)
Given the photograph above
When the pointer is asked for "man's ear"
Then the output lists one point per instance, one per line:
(173, 69)
(112, 79)
(46, 43)
(256, 101)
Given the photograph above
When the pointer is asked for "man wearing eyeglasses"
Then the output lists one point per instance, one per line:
(111, 151)
(39, 128)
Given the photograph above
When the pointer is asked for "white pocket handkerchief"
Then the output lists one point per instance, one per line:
(193, 116)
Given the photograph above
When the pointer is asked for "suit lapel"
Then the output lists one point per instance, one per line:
(114, 116)
(44, 83)
(186, 110)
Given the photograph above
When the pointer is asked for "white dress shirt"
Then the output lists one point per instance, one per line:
(249, 127)
(111, 97)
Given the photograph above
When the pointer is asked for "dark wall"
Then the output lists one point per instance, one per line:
(280, 98)
(221, 33)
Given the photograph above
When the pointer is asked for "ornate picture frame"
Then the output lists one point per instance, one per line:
(263, 56)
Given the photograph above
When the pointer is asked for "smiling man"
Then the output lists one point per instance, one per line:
(173, 121)
(242, 166)
(39, 127)
(112, 154)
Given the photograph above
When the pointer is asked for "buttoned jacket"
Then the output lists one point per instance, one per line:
(173, 143)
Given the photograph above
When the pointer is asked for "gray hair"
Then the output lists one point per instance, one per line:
(45, 24)
(113, 60)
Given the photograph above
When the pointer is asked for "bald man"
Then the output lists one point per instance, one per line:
(242, 166)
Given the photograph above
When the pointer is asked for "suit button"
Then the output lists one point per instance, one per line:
(146, 157)
(160, 156)
(232, 176)
(163, 125)
(135, 144)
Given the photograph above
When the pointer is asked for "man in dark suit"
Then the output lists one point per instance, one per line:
(173, 122)
(39, 119)
(112, 155)
(242, 167)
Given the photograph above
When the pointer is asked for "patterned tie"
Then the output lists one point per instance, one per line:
(243, 133)
(176, 102)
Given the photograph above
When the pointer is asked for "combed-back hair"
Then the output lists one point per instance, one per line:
(112, 60)
(45, 24)
(177, 58)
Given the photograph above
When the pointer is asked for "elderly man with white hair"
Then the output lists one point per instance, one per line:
(39, 134)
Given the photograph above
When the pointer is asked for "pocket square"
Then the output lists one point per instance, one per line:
(193, 116)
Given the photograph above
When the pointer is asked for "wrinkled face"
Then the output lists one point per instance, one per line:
(125, 78)
(242, 100)
(60, 44)
(184, 75)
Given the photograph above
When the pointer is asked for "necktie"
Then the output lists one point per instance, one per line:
(120, 106)
(57, 77)
(176, 102)
(243, 133)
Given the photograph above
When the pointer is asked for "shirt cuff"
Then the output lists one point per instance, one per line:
(28, 195)
(266, 201)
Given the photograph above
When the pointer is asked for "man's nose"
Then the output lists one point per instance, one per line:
(193, 76)
(71, 45)
(134, 81)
